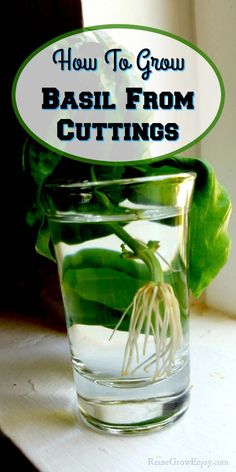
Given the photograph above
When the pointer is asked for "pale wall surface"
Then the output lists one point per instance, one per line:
(215, 32)
(171, 15)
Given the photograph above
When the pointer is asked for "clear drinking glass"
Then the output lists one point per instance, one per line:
(122, 255)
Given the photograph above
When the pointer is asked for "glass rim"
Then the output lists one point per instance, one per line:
(172, 178)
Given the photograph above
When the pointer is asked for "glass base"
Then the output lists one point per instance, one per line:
(127, 417)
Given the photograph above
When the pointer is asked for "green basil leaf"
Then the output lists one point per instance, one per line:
(106, 259)
(209, 242)
(87, 312)
(103, 285)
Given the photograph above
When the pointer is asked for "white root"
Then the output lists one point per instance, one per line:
(165, 327)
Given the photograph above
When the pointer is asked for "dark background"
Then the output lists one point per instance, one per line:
(28, 24)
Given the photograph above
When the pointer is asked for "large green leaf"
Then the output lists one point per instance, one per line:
(209, 242)
(91, 313)
(106, 259)
(98, 285)
(110, 287)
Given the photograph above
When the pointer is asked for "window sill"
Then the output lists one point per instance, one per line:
(37, 402)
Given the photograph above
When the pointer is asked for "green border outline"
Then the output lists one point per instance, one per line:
(116, 26)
